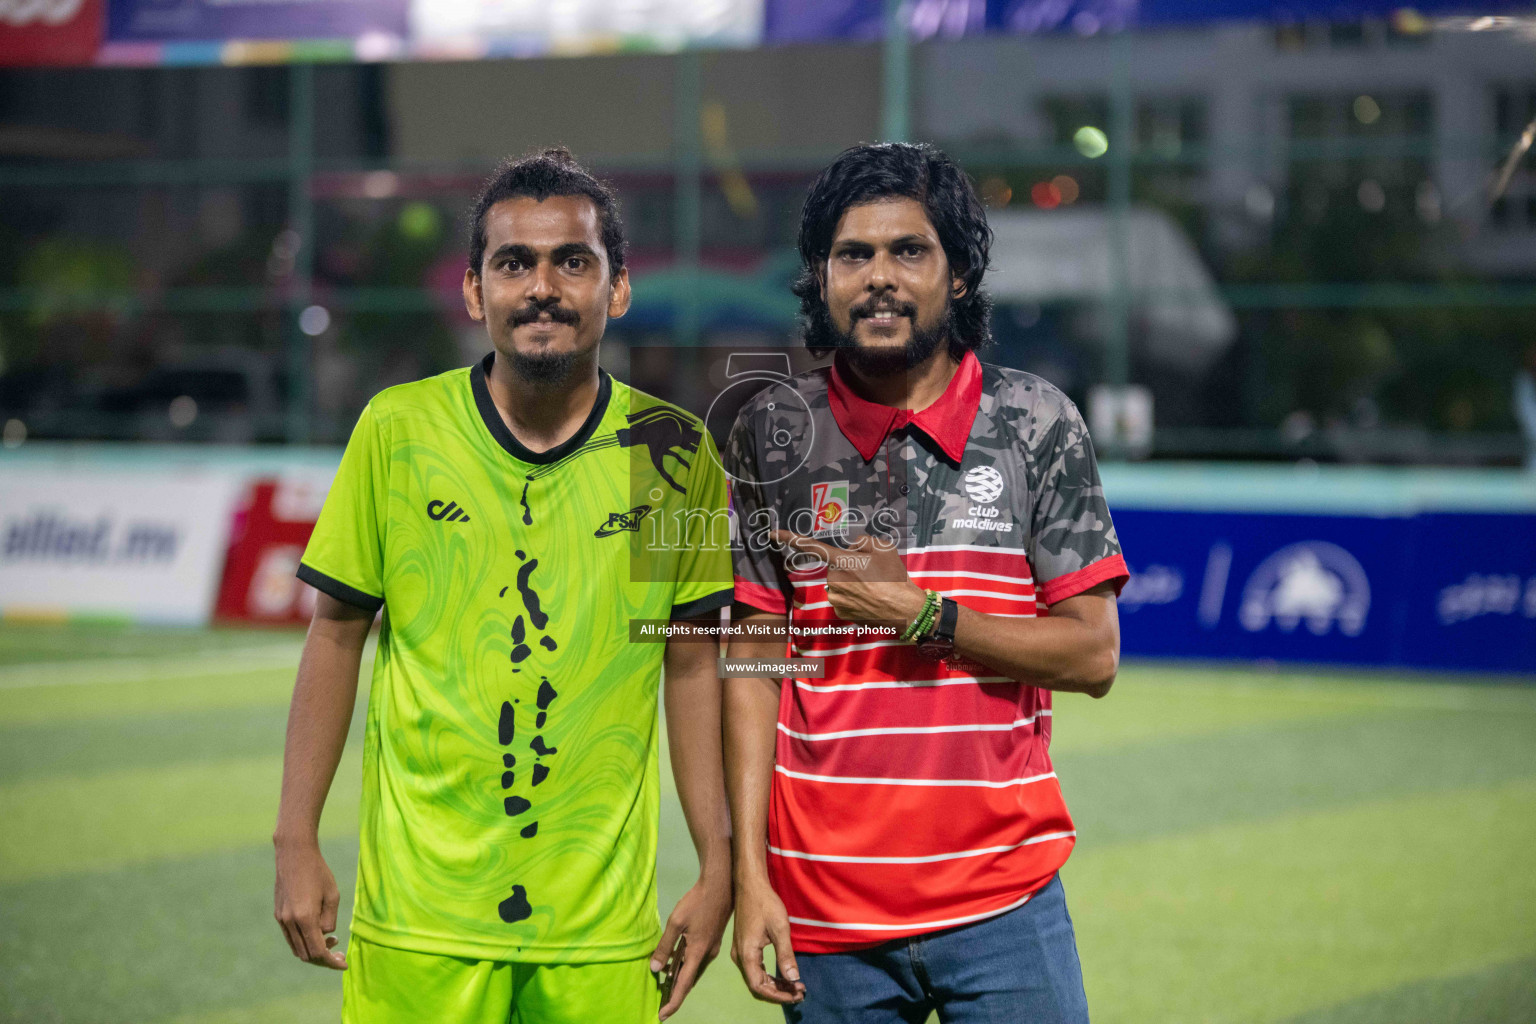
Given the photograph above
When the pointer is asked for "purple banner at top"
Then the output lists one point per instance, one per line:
(788, 21)
(154, 21)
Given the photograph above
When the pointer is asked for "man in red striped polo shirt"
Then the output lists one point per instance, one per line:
(898, 825)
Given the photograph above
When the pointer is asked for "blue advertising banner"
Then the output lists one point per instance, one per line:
(810, 20)
(1473, 600)
(1161, 12)
(147, 21)
(1434, 590)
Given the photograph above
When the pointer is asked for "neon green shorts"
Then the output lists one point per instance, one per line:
(384, 985)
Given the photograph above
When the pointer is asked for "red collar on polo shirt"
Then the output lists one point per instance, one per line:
(948, 420)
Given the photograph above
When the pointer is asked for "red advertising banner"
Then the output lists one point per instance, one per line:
(266, 543)
(50, 31)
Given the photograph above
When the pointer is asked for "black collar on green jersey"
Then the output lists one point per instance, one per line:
(498, 427)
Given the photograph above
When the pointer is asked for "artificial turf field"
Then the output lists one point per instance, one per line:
(1254, 846)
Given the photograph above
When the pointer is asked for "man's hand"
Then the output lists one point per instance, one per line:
(762, 921)
(305, 903)
(306, 899)
(866, 581)
(698, 921)
(691, 695)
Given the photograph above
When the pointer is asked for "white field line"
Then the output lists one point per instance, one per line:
(112, 671)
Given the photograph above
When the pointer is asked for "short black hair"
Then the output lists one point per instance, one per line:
(871, 172)
(549, 172)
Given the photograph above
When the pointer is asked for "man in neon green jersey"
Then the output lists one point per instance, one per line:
(499, 514)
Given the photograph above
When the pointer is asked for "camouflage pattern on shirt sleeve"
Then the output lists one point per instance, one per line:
(1070, 528)
(759, 581)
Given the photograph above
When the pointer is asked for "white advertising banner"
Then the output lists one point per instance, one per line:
(141, 546)
(482, 27)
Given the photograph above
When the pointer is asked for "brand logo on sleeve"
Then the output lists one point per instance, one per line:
(450, 511)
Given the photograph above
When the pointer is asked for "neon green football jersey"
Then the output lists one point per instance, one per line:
(510, 784)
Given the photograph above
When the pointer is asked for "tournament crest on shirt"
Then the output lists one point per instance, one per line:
(829, 506)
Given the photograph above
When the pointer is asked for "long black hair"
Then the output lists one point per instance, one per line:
(868, 173)
(549, 172)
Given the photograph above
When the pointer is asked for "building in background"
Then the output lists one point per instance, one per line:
(1331, 180)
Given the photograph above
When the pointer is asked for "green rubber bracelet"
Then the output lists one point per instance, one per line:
(930, 613)
(925, 618)
(930, 616)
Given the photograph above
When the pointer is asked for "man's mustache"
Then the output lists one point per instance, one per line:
(870, 307)
(531, 313)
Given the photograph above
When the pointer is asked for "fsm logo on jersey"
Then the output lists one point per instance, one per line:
(1312, 583)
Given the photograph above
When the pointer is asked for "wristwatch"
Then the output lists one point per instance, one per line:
(940, 643)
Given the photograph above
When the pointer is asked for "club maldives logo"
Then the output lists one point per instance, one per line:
(984, 485)
(829, 502)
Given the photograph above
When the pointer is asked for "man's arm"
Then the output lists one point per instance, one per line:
(1076, 648)
(306, 899)
(692, 700)
(751, 714)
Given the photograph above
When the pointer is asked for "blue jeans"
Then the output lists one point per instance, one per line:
(1017, 967)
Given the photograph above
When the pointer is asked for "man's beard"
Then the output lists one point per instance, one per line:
(885, 361)
(543, 367)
